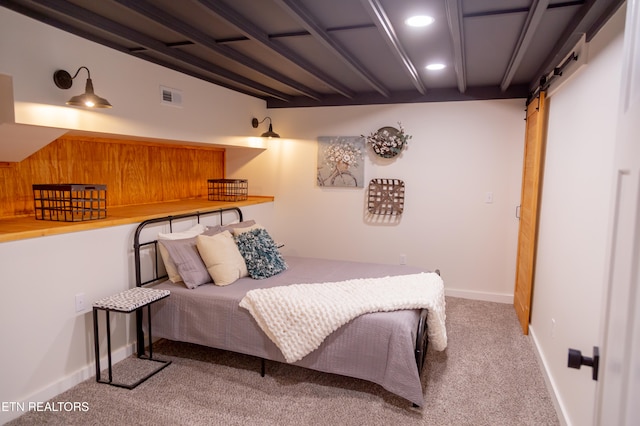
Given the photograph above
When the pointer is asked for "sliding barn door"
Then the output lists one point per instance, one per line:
(531, 171)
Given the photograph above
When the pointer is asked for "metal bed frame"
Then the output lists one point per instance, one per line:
(421, 343)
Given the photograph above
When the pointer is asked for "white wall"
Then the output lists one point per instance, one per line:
(47, 346)
(576, 195)
(459, 151)
(30, 52)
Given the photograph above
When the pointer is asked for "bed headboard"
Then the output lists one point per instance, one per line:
(145, 245)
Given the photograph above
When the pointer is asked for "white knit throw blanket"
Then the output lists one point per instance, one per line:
(298, 317)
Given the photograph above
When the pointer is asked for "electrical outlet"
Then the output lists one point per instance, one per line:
(403, 259)
(80, 305)
(553, 328)
(488, 197)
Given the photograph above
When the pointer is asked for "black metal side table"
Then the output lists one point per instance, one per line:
(126, 302)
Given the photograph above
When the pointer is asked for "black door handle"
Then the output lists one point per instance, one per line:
(576, 360)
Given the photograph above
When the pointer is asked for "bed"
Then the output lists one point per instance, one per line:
(387, 348)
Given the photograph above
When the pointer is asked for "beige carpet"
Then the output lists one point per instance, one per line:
(488, 375)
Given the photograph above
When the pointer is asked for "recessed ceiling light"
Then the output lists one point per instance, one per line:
(419, 21)
(435, 67)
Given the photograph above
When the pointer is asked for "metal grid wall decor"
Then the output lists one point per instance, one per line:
(386, 196)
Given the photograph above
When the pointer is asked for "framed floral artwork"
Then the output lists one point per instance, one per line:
(340, 161)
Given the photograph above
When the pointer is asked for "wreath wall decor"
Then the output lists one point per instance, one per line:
(388, 142)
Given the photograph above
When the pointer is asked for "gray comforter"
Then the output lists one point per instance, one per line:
(378, 347)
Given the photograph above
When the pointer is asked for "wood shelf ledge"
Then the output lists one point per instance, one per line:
(20, 228)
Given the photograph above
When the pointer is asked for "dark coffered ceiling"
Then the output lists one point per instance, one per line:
(340, 52)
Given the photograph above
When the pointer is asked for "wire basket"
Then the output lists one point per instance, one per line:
(228, 189)
(70, 202)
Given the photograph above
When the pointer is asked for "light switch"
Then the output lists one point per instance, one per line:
(488, 197)
(80, 305)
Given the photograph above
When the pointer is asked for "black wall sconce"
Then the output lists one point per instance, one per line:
(268, 134)
(63, 80)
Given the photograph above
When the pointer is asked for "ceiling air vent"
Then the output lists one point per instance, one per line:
(169, 96)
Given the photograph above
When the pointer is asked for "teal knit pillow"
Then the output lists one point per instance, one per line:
(260, 253)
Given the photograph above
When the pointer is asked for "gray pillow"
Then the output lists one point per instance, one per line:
(185, 255)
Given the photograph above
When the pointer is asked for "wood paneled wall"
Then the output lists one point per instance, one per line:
(135, 172)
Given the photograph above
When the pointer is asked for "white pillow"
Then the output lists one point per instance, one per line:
(238, 231)
(169, 264)
(222, 258)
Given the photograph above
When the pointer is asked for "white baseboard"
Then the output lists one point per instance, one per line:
(551, 387)
(480, 295)
(64, 384)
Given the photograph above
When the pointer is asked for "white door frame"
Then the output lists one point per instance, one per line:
(618, 390)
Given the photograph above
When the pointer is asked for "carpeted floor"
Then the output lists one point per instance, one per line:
(488, 375)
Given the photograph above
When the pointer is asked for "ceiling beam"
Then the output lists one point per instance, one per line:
(456, 29)
(249, 29)
(385, 27)
(169, 21)
(302, 15)
(411, 96)
(130, 34)
(534, 17)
